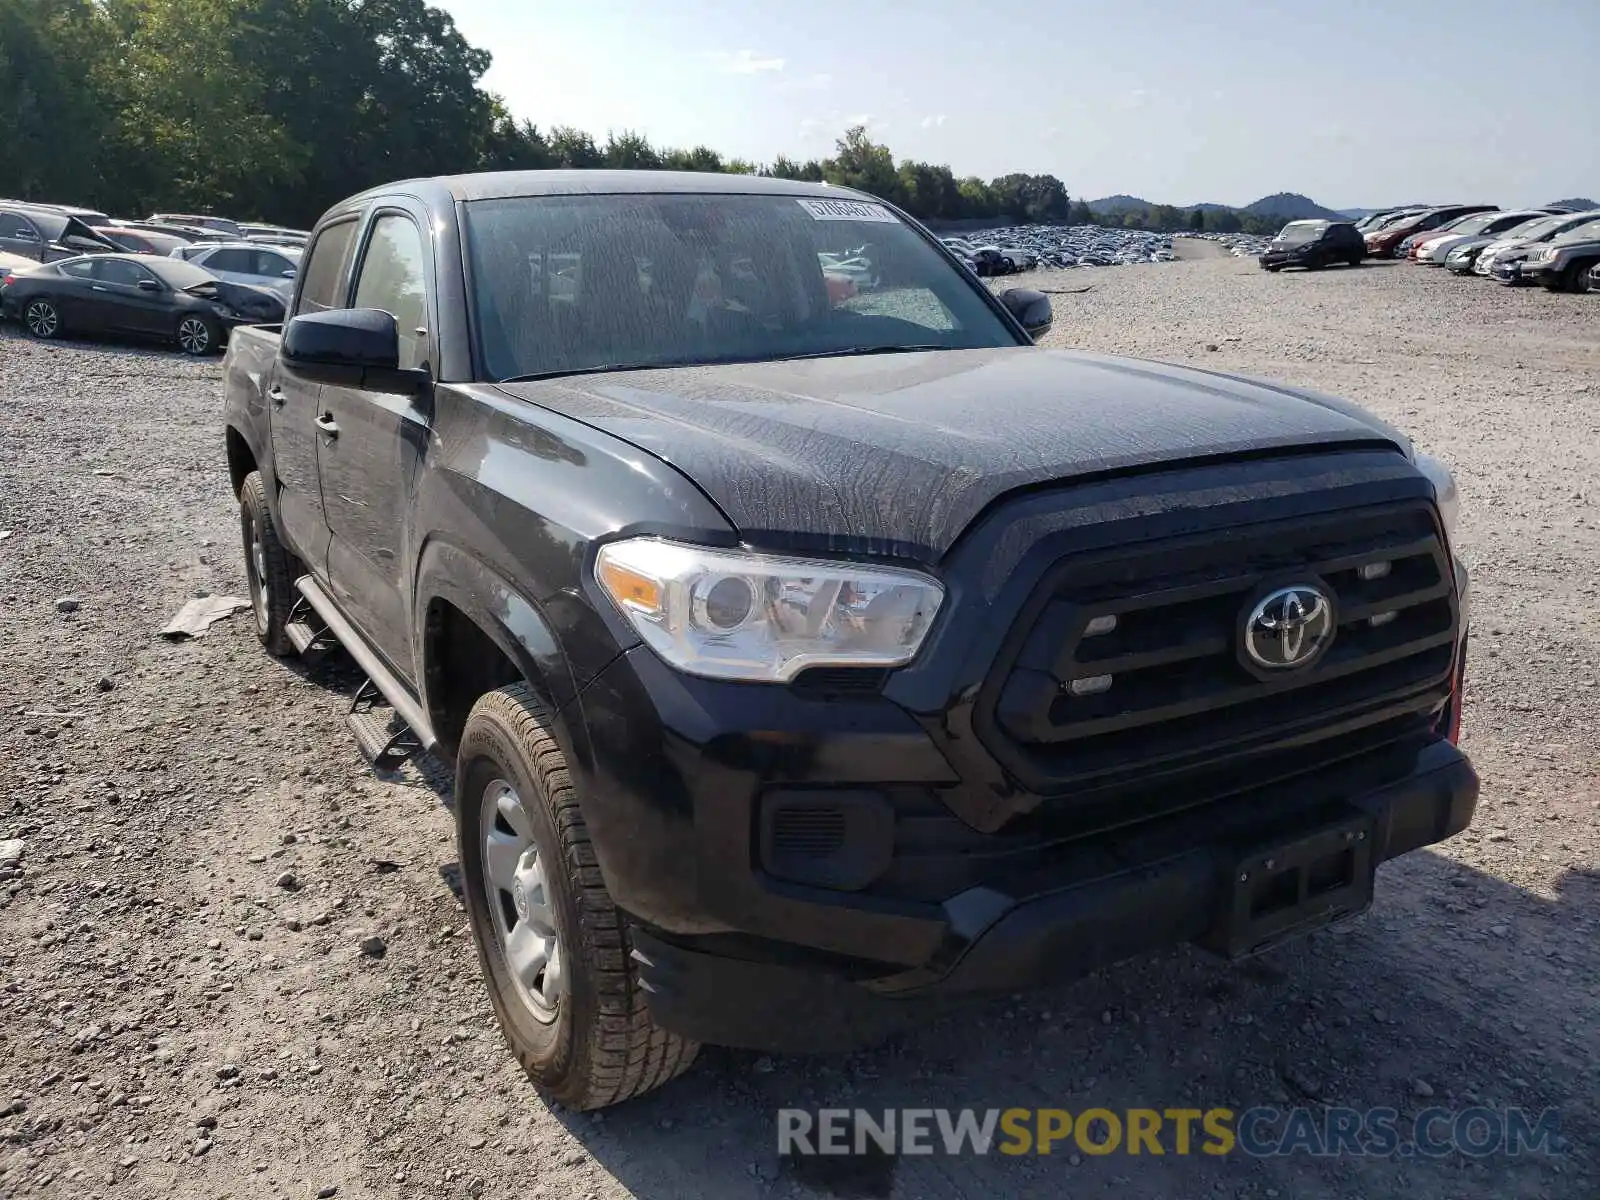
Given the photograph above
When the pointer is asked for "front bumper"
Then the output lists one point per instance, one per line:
(1155, 886)
(1282, 258)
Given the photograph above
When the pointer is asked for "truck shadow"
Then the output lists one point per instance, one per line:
(1457, 990)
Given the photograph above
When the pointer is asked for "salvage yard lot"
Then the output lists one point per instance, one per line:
(186, 1008)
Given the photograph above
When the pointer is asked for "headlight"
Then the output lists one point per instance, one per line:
(738, 615)
(1444, 490)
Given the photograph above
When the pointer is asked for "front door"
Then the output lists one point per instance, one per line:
(130, 298)
(295, 403)
(370, 467)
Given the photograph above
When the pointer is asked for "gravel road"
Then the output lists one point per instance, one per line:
(192, 1002)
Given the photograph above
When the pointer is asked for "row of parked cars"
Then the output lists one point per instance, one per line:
(186, 278)
(1555, 246)
(992, 260)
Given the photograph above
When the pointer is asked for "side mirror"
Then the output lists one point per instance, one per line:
(350, 347)
(148, 285)
(1030, 308)
(289, 274)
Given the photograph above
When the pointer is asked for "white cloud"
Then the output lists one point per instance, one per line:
(934, 122)
(745, 62)
(809, 127)
(818, 82)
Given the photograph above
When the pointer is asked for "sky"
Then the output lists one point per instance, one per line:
(1356, 104)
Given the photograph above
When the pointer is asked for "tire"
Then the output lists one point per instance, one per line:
(198, 336)
(268, 566)
(1354, 260)
(1272, 270)
(1576, 277)
(1008, 267)
(577, 1022)
(41, 318)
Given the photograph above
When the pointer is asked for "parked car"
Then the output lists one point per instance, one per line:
(1457, 250)
(788, 677)
(141, 241)
(1431, 250)
(1594, 278)
(1514, 250)
(1563, 264)
(183, 233)
(199, 221)
(159, 298)
(1313, 244)
(274, 235)
(245, 262)
(1382, 242)
(45, 235)
(991, 260)
(11, 264)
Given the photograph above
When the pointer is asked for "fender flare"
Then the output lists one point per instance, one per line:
(515, 624)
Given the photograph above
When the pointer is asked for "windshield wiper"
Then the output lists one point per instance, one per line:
(857, 351)
(604, 368)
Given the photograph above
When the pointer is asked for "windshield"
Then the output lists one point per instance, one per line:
(1302, 231)
(1476, 224)
(574, 283)
(1582, 233)
(179, 274)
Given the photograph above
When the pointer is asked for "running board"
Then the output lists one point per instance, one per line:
(383, 746)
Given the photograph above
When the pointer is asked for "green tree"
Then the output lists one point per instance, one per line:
(630, 151)
(50, 125)
(861, 163)
(574, 149)
(1082, 214)
(1197, 220)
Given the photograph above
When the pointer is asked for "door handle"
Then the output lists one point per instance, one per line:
(95, 287)
(326, 423)
(275, 394)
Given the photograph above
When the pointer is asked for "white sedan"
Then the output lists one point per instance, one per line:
(246, 262)
(1484, 227)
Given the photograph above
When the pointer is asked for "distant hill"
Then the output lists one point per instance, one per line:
(1579, 203)
(1291, 206)
(1287, 206)
(1119, 204)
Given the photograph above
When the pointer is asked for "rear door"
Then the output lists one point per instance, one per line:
(273, 270)
(231, 263)
(369, 470)
(295, 404)
(75, 296)
(18, 235)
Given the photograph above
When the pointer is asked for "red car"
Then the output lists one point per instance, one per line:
(140, 241)
(1382, 242)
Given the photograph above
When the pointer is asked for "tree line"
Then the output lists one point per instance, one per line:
(275, 109)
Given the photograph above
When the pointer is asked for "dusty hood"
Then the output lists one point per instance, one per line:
(896, 454)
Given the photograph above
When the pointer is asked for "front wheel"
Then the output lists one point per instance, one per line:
(198, 336)
(1354, 260)
(42, 318)
(1577, 275)
(554, 949)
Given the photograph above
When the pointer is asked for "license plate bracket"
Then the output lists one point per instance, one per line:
(1282, 889)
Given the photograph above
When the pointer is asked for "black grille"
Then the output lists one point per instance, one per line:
(1166, 687)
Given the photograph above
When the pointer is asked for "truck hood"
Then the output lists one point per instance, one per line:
(896, 454)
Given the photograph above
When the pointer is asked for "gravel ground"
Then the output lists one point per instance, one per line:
(191, 1002)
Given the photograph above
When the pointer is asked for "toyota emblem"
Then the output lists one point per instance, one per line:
(1289, 628)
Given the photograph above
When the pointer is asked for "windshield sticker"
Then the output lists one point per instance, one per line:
(846, 210)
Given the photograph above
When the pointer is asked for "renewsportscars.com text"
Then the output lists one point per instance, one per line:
(1260, 1132)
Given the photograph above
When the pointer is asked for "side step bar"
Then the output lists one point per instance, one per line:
(377, 743)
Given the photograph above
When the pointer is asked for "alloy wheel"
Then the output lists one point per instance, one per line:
(42, 319)
(194, 335)
(520, 904)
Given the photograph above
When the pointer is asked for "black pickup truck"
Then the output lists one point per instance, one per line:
(804, 646)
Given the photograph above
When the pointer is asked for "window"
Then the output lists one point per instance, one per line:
(571, 283)
(119, 271)
(240, 261)
(13, 226)
(394, 279)
(270, 264)
(324, 269)
(81, 268)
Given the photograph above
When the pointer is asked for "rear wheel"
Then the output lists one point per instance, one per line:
(42, 318)
(1354, 260)
(198, 336)
(1576, 277)
(554, 949)
(268, 566)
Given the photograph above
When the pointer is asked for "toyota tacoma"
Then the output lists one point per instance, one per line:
(803, 651)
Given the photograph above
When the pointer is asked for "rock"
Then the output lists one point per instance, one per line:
(228, 1071)
(202, 1146)
(106, 683)
(11, 851)
(1212, 347)
(328, 1192)
(374, 946)
(478, 1142)
(1421, 1087)
(288, 882)
(68, 604)
(206, 1121)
